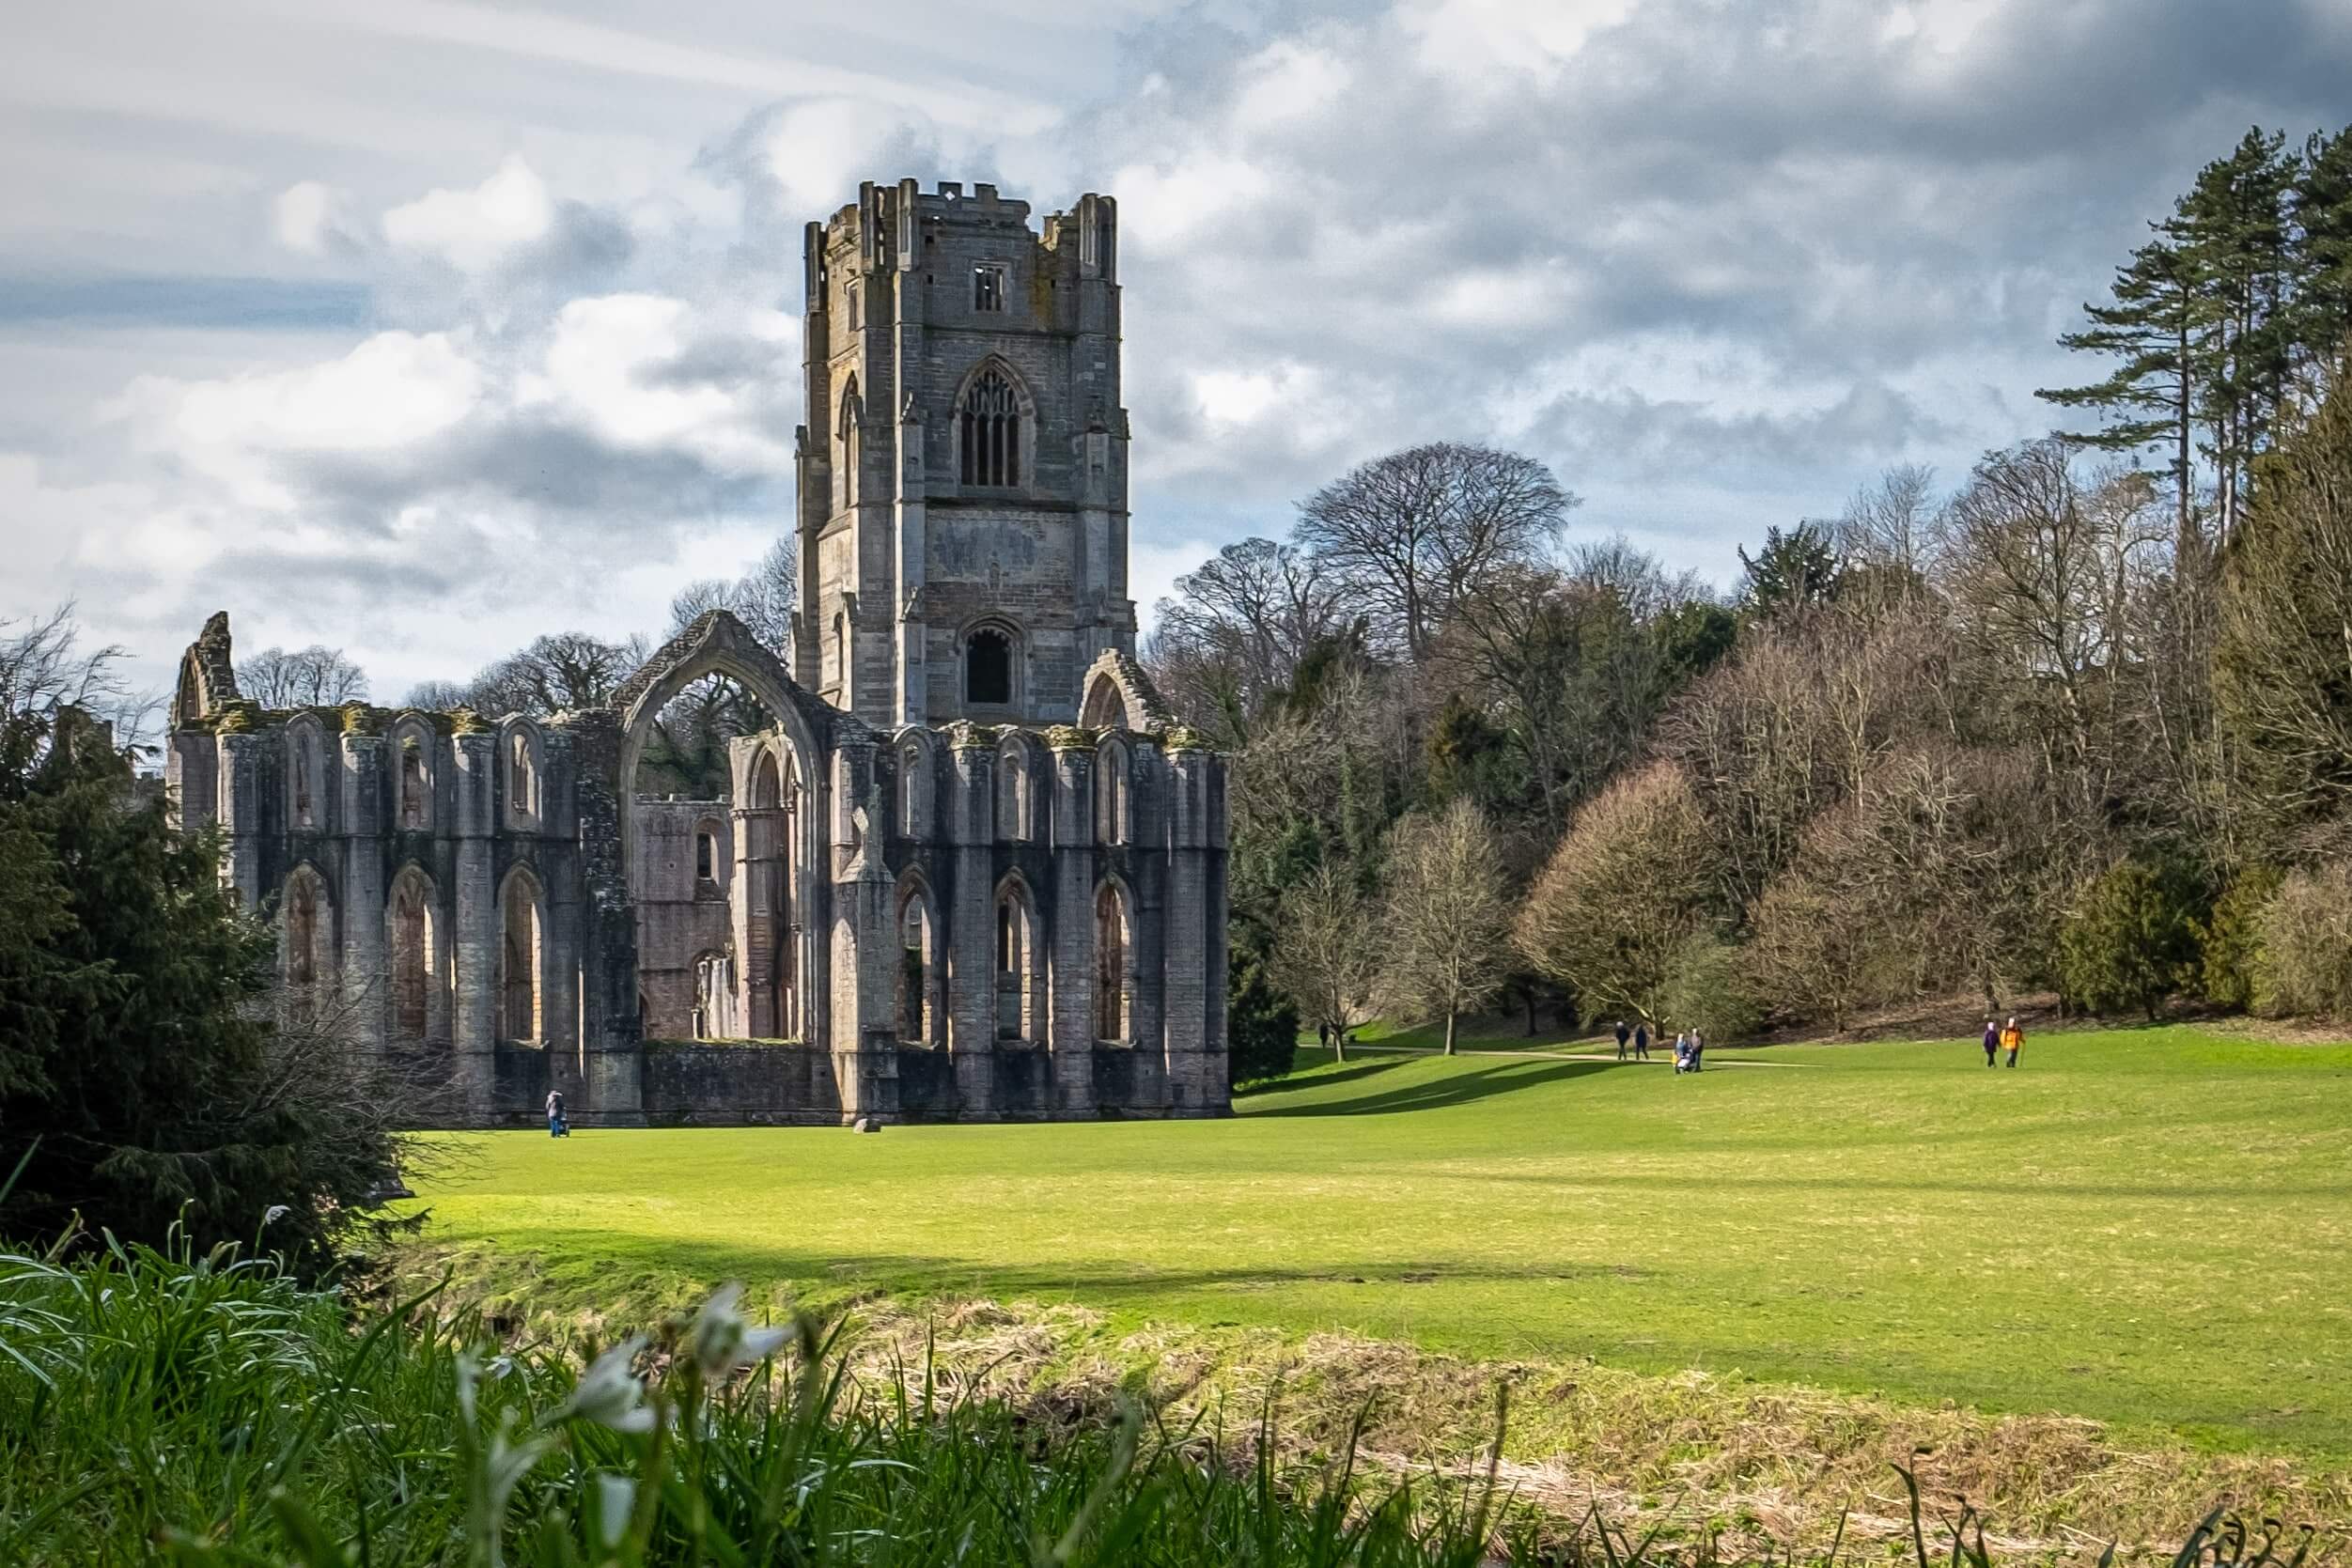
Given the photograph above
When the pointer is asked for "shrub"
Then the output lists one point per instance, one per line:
(2303, 955)
(168, 1082)
(1261, 1026)
(2130, 939)
(2230, 937)
(1633, 878)
(1707, 989)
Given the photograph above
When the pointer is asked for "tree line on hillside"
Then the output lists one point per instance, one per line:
(2079, 723)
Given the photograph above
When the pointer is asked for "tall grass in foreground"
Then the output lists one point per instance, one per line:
(210, 1411)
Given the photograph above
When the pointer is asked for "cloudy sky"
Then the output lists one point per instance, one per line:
(421, 327)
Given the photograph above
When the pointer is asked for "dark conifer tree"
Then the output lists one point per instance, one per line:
(1795, 569)
(2321, 205)
(2232, 231)
(2150, 397)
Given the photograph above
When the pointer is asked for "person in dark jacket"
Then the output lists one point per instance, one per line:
(1642, 1041)
(1992, 1042)
(1624, 1034)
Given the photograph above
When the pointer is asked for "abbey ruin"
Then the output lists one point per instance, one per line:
(969, 870)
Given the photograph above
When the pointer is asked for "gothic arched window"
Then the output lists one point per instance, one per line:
(989, 428)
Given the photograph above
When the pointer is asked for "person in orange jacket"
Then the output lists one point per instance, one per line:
(2011, 1039)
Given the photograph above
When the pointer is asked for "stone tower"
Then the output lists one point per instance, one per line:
(963, 471)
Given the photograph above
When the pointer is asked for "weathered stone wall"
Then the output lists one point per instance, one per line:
(953, 909)
(682, 916)
(901, 558)
(732, 1084)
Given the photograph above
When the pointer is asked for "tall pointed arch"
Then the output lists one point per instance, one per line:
(307, 940)
(1020, 968)
(921, 988)
(849, 449)
(417, 1007)
(995, 425)
(1115, 963)
(522, 956)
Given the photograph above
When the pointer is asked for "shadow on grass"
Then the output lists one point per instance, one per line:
(1346, 1073)
(561, 1251)
(1437, 1094)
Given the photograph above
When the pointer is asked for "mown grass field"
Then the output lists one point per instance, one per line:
(2150, 1227)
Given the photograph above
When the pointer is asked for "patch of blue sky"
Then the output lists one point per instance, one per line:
(244, 304)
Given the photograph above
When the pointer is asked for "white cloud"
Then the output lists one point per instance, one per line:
(394, 390)
(1469, 39)
(473, 231)
(310, 218)
(610, 368)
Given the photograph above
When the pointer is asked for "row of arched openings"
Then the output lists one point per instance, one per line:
(306, 778)
(417, 960)
(1022, 985)
(1016, 794)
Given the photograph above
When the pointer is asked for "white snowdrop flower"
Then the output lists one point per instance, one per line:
(609, 1393)
(724, 1342)
(274, 1213)
(616, 1497)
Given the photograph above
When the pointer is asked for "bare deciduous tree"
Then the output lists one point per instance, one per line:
(1445, 935)
(1415, 533)
(567, 670)
(1327, 949)
(761, 598)
(1238, 627)
(315, 676)
(44, 669)
(2283, 663)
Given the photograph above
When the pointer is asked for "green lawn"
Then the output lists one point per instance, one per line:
(2151, 1227)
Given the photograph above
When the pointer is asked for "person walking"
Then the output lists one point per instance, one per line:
(1642, 1041)
(1682, 1052)
(555, 1128)
(1624, 1036)
(1698, 1049)
(1992, 1042)
(2013, 1040)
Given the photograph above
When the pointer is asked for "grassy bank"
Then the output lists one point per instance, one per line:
(210, 1414)
(2143, 1227)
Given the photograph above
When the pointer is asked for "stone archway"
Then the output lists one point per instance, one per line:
(716, 644)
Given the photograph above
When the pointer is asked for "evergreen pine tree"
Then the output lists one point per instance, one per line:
(2151, 396)
(1796, 569)
(2321, 203)
(2232, 232)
